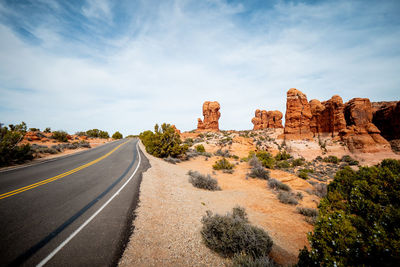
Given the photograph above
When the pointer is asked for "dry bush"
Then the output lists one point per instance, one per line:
(204, 182)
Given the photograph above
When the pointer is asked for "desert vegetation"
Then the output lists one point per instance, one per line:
(11, 151)
(96, 133)
(358, 221)
(117, 135)
(203, 181)
(232, 234)
(163, 142)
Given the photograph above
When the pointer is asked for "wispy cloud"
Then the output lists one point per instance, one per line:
(129, 65)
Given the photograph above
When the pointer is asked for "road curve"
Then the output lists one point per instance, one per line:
(73, 211)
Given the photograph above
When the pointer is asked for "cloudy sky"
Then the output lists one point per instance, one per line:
(126, 65)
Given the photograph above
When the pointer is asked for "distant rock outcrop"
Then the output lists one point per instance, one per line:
(267, 119)
(211, 116)
(298, 116)
(328, 116)
(361, 134)
(176, 129)
(386, 116)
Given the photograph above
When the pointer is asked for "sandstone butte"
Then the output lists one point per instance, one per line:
(211, 116)
(267, 119)
(351, 122)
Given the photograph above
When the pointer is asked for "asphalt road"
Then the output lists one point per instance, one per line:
(73, 211)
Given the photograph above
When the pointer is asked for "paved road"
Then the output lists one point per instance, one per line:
(68, 212)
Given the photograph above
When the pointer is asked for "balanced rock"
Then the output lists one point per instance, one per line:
(211, 116)
(361, 134)
(298, 116)
(267, 119)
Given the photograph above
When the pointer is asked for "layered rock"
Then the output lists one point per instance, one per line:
(361, 134)
(328, 116)
(176, 129)
(298, 116)
(267, 119)
(211, 116)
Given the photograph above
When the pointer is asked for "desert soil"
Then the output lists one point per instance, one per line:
(168, 223)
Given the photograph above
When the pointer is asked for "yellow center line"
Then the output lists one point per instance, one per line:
(52, 179)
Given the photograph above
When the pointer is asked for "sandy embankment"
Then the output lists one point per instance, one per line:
(168, 222)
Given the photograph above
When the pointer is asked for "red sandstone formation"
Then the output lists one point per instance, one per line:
(328, 116)
(267, 119)
(176, 130)
(298, 116)
(386, 116)
(361, 134)
(31, 136)
(211, 116)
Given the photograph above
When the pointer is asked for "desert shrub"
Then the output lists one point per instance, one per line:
(60, 136)
(117, 135)
(34, 129)
(96, 133)
(204, 182)
(298, 162)
(18, 128)
(189, 141)
(81, 133)
(10, 151)
(243, 260)
(232, 234)
(331, 159)
(278, 185)
(359, 219)
(319, 158)
(47, 130)
(282, 156)
(222, 153)
(223, 164)
(283, 164)
(230, 171)
(254, 162)
(172, 160)
(200, 148)
(266, 159)
(287, 198)
(320, 189)
(84, 144)
(104, 135)
(163, 142)
(349, 160)
(308, 212)
(303, 173)
(299, 195)
(259, 172)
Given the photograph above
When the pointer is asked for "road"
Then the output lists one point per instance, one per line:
(72, 211)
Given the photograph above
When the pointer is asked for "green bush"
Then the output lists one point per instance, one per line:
(96, 133)
(282, 156)
(163, 142)
(117, 135)
(232, 234)
(349, 160)
(19, 128)
(359, 219)
(60, 136)
(204, 182)
(303, 173)
(47, 130)
(34, 129)
(223, 164)
(283, 164)
(10, 151)
(331, 159)
(200, 148)
(266, 159)
(298, 162)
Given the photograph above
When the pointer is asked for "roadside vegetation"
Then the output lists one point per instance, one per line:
(10, 150)
(117, 135)
(359, 219)
(202, 181)
(233, 236)
(163, 142)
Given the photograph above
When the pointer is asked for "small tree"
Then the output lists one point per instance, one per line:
(117, 135)
(47, 130)
(10, 150)
(163, 142)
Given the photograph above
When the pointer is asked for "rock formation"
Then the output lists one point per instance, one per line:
(176, 129)
(267, 119)
(298, 116)
(328, 116)
(386, 116)
(361, 134)
(211, 116)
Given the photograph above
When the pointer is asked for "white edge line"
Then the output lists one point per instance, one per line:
(65, 242)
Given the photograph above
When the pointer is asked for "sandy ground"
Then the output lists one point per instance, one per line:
(168, 223)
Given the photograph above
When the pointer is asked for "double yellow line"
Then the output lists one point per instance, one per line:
(52, 179)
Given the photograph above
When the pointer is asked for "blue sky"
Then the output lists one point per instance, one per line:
(126, 65)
